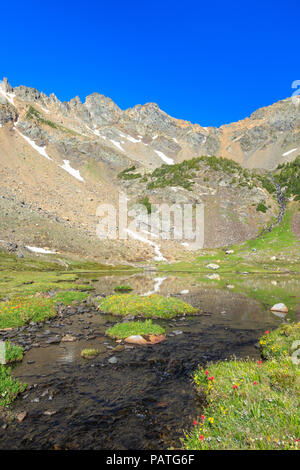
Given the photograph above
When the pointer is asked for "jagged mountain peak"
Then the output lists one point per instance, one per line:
(262, 140)
(65, 158)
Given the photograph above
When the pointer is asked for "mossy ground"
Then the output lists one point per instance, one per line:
(123, 330)
(152, 306)
(250, 404)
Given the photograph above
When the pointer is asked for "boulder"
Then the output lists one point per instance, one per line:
(280, 308)
(68, 338)
(213, 266)
(138, 339)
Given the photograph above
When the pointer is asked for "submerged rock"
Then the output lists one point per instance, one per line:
(21, 416)
(151, 339)
(68, 338)
(136, 339)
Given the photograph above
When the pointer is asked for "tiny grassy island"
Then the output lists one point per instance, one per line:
(123, 330)
(89, 353)
(152, 306)
(123, 288)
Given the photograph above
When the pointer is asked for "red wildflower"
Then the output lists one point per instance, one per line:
(267, 332)
(195, 423)
(255, 383)
(259, 363)
(211, 378)
(234, 387)
(206, 372)
(201, 437)
(202, 417)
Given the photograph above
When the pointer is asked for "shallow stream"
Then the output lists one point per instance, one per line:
(143, 398)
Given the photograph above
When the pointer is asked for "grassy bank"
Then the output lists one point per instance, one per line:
(21, 310)
(152, 306)
(250, 404)
(13, 353)
(275, 251)
(9, 387)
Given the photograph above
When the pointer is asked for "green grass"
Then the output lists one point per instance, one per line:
(123, 288)
(13, 353)
(9, 387)
(144, 201)
(250, 404)
(280, 237)
(152, 306)
(280, 242)
(70, 296)
(23, 283)
(21, 310)
(128, 175)
(123, 330)
(89, 353)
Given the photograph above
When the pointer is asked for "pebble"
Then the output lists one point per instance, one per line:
(113, 360)
(21, 416)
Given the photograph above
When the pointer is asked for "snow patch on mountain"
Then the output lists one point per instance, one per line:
(40, 150)
(35, 249)
(290, 151)
(67, 167)
(136, 236)
(117, 144)
(167, 160)
(8, 96)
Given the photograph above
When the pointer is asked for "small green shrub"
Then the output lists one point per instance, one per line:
(261, 207)
(124, 288)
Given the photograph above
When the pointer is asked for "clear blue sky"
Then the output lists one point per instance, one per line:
(209, 62)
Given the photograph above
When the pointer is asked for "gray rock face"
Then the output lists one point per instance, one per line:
(7, 87)
(150, 118)
(7, 113)
(254, 138)
(272, 129)
(34, 132)
(103, 111)
(27, 94)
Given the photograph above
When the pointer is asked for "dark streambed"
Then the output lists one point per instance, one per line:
(143, 401)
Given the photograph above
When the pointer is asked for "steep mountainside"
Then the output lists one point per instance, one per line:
(59, 161)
